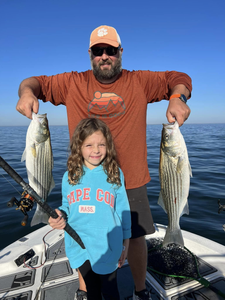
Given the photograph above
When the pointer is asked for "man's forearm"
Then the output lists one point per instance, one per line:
(29, 85)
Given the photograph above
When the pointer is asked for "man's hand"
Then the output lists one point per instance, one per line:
(58, 223)
(178, 110)
(27, 104)
(28, 92)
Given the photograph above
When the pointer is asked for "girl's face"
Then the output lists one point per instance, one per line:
(94, 150)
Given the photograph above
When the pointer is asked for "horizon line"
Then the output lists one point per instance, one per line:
(146, 124)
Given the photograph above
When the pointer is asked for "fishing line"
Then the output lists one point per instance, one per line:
(12, 185)
(50, 266)
(45, 254)
(200, 279)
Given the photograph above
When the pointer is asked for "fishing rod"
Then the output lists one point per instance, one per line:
(30, 195)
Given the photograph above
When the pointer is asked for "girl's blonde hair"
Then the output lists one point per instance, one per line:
(75, 161)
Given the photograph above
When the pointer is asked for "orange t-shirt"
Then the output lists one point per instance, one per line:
(122, 105)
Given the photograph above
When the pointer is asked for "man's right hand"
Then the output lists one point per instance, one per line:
(27, 104)
(28, 92)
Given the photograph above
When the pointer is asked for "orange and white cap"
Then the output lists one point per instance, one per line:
(106, 35)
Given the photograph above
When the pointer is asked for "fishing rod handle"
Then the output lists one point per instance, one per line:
(52, 213)
(11, 172)
(74, 235)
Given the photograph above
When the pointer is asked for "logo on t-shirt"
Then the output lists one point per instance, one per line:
(106, 105)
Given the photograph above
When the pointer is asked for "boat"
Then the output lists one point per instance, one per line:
(35, 267)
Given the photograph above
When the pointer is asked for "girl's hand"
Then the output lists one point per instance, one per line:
(124, 253)
(58, 223)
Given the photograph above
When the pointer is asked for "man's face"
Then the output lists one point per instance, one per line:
(106, 67)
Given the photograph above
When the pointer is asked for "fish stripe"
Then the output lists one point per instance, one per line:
(171, 182)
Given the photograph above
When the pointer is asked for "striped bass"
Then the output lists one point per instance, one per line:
(174, 174)
(39, 162)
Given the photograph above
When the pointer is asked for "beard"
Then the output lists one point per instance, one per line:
(106, 74)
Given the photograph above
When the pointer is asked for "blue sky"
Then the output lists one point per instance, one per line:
(48, 37)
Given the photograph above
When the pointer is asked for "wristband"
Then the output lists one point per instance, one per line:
(182, 97)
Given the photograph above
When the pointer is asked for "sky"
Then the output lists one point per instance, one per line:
(48, 37)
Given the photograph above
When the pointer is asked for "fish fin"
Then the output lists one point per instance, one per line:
(173, 237)
(33, 151)
(180, 165)
(52, 186)
(185, 210)
(161, 202)
(190, 171)
(39, 217)
(23, 158)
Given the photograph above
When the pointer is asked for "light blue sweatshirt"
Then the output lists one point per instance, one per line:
(100, 214)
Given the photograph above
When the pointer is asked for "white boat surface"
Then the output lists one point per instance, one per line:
(47, 275)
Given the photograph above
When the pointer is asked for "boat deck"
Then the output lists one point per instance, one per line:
(55, 280)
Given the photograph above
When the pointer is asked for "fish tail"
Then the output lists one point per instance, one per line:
(39, 217)
(173, 237)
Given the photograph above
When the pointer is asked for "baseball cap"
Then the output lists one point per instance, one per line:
(106, 35)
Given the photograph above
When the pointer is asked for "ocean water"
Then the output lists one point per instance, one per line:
(206, 149)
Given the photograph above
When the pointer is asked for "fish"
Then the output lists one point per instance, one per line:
(38, 157)
(174, 174)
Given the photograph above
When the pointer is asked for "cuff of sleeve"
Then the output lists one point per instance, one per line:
(126, 234)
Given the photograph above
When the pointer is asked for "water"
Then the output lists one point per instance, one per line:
(205, 144)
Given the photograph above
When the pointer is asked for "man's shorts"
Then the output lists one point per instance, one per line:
(141, 216)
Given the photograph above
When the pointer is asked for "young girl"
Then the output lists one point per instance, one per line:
(96, 205)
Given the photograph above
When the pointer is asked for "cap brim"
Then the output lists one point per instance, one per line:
(105, 41)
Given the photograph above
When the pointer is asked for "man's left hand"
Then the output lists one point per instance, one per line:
(178, 110)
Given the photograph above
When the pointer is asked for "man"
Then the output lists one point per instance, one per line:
(118, 97)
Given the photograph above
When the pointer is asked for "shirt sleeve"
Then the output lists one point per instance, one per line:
(54, 88)
(157, 85)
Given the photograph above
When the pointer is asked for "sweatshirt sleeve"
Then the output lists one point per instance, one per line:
(123, 208)
(65, 205)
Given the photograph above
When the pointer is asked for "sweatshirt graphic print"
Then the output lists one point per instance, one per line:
(100, 213)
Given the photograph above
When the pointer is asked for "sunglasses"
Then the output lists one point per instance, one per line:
(111, 51)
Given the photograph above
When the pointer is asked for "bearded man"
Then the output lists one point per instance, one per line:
(118, 97)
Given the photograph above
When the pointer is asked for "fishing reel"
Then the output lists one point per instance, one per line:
(25, 204)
